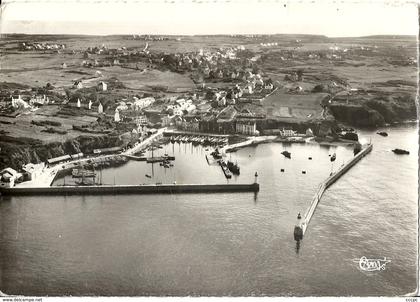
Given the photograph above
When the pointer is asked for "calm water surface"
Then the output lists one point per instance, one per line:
(223, 244)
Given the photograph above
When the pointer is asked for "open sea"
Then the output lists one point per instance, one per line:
(224, 244)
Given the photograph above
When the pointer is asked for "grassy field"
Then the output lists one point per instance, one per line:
(299, 107)
(369, 70)
(23, 127)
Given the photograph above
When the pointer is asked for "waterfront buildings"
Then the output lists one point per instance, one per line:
(287, 132)
(8, 177)
(33, 170)
(140, 104)
(246, 127)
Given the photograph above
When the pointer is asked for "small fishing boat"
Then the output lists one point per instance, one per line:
(216, 154)
(85, 182)
(225, 169)
(400, 151)
(233, 167)
(382, 133)
(148, 176)
(333, 157)
(286, 154)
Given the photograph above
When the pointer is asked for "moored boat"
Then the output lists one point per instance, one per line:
(233, 167)
(216, 154)
(287, 154)
(400, 151)
(79, 173)
(225, 169)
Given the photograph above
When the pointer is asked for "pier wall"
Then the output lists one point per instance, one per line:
(191, 133)
(131, 189)
(327, 183)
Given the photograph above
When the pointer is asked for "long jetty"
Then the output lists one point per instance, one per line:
(250, 142)
(131, 189)
(301, 227)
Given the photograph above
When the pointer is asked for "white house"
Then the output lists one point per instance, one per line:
(78, 85)
(287, 132)
(250, 90)
(141, 120)
(221, 102)
(100, 108)
(39, 100)
(122, 106)
(117, 116)
(309, 132)
(142, 103)
(102, 86)
(268, 86)
(8, 177)
(19, 103)
(33, 170)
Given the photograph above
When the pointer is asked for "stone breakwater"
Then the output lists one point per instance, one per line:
(131, 189)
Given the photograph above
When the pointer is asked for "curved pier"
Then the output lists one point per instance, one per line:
(301, 227)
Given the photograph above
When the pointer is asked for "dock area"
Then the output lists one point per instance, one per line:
(254, 140)
(46, 178)
(155, 159)
(131, 189)
(140, 146)
(191, 133)
(225, 169)
(300, 229)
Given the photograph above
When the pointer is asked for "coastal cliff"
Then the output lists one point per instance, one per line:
(376, 111)
(15, 152)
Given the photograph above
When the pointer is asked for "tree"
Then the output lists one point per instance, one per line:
(318, 88)
(214, 104)
(300, 74)
(209, 94)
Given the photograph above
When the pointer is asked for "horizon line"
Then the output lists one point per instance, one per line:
(215, 34)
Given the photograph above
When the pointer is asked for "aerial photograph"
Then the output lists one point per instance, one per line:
(208, 149)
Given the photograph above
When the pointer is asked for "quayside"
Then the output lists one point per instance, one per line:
(131, 189)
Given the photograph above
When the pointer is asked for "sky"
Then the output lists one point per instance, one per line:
(188, 17)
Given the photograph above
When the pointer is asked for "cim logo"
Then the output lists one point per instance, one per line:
(371, 265)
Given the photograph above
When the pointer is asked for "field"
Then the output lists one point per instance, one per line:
(22, 126)
(377, 67)
(294, 107)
